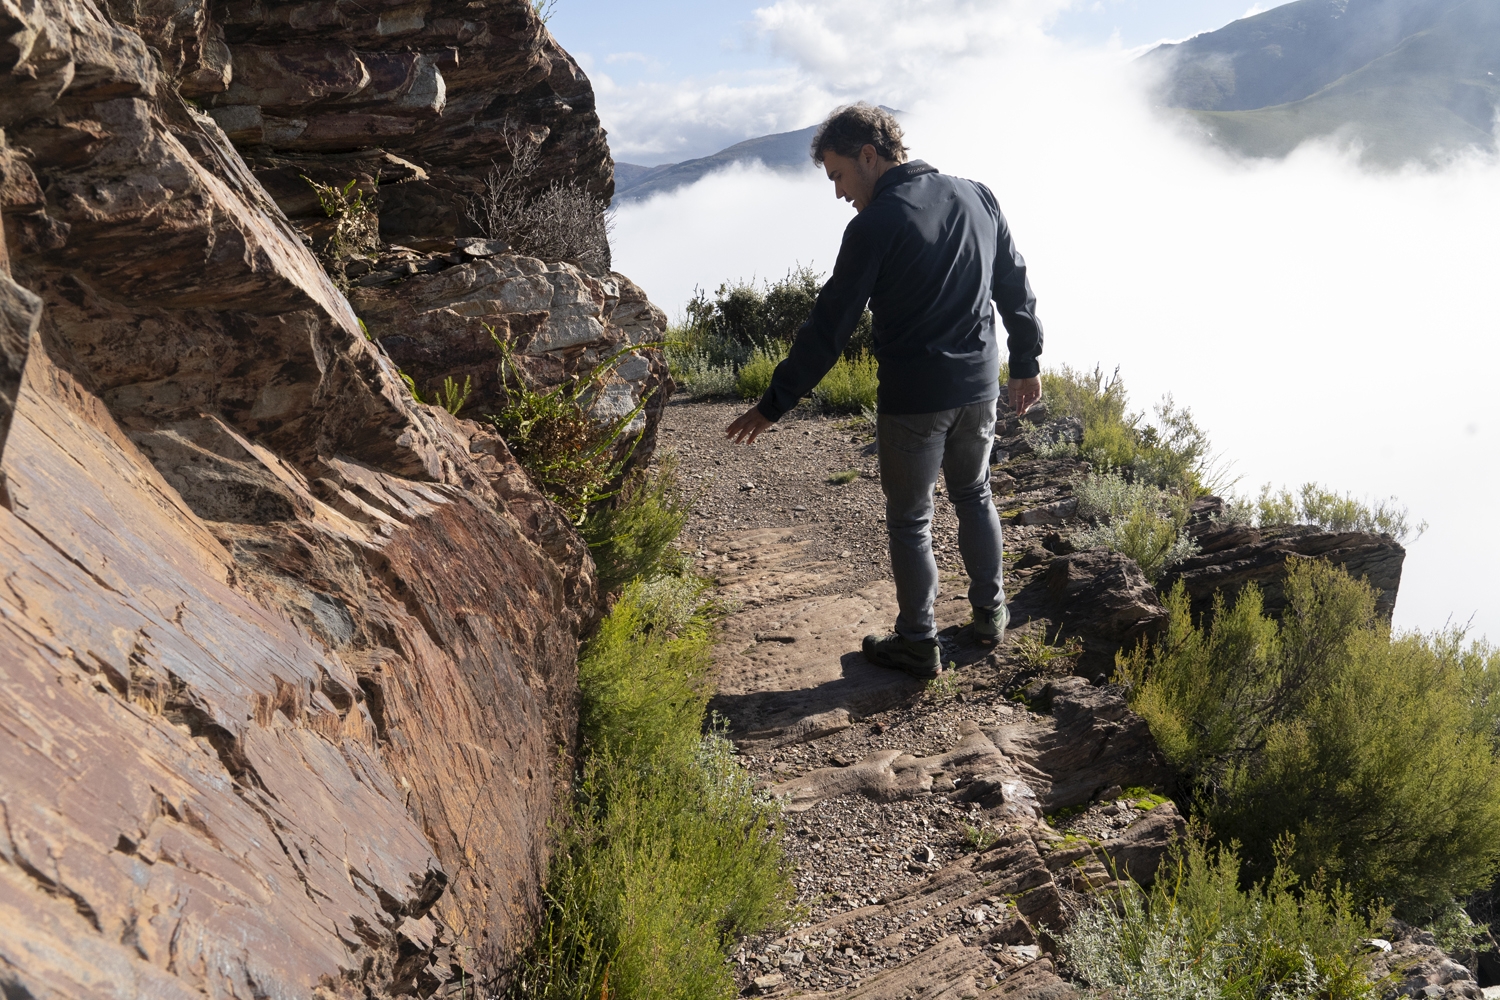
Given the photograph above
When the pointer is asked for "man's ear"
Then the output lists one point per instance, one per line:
(868, 154)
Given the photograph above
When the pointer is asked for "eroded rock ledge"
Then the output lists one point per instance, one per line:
(288, 658)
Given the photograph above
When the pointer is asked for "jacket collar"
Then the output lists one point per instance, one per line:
(901, 174)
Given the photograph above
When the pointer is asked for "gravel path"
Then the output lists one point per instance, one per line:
(849, 852)
(786, 479)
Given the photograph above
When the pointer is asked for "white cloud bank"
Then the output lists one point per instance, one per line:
(1324, 323)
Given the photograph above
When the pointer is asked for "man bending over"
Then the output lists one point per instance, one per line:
(928, 253)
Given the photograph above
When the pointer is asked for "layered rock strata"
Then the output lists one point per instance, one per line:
(448, 315)
(289, 658)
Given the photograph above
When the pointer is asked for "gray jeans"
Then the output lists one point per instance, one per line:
(913, 447)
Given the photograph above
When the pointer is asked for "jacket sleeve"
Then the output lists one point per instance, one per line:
(1012, 294)
(819, 341)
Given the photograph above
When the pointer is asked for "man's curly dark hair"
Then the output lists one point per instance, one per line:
(855, 126)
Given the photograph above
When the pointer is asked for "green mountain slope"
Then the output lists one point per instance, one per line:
(1430, 93)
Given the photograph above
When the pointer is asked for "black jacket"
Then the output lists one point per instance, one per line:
(928, 254)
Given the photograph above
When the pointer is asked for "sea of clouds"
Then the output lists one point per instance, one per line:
(1322, 321)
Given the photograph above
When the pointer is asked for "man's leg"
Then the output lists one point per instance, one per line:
(911, 453)
(966, 469)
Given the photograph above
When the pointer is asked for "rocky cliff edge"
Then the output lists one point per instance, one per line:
(289, 660)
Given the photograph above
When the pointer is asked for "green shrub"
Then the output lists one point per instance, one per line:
(701, 361)
(743, 313)
(849, 387)
(568, 455)
(1378, 755)
(670, 855)
(1197, 933)
(1172, 453)
(1315, 504)
(632, 535)
(1033, 652)
(1135, 519)
(755, 376)
(1109, 446)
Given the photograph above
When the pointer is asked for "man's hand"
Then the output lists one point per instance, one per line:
(1023, 393)
(747, 426)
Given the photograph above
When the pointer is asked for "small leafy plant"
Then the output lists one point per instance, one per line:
(841, 478)
(1034, 653)
(981, 837)
(455, 398)
(569, 455)
(1315, 504)
(1136, 519)
(356, 229)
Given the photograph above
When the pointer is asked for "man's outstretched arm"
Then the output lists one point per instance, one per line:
(819, 341)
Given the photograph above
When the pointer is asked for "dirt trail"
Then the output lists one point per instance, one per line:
(893, 786)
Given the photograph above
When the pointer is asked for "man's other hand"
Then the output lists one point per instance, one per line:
(747, 426)
(1023, 393)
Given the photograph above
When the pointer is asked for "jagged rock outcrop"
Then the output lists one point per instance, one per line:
(1232, 555)
(448, 318)
(411, 97)
(1103, 600)
(288, 657)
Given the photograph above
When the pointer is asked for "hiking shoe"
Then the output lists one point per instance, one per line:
(989, 626)
(919, 657)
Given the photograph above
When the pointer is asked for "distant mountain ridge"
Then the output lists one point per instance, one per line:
(1404, 79)
(780, 151)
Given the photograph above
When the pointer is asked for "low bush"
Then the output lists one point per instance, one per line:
(751, 315)
(562, 221)
(1379, 755)
(1315, 504)
(1198, 934)
(631, 535)
(670, 855)
(849, 387)
(356, 227)
(1172, 452)
(1135, 519)
(754, 377)
(699, 373)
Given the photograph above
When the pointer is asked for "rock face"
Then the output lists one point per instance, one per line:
(1231, 556)
(448, 319)
(288, 657)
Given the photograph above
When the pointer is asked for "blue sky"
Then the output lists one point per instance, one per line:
(652, 61)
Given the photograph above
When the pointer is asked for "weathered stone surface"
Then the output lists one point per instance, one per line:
(559, 321)
(1097, 596)
(1017, 769)
(1234, 555)
(1137, 853)
(288, 657)
(1091, 742)
(432, 84)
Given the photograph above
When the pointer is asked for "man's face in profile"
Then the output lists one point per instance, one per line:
(853, 177)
